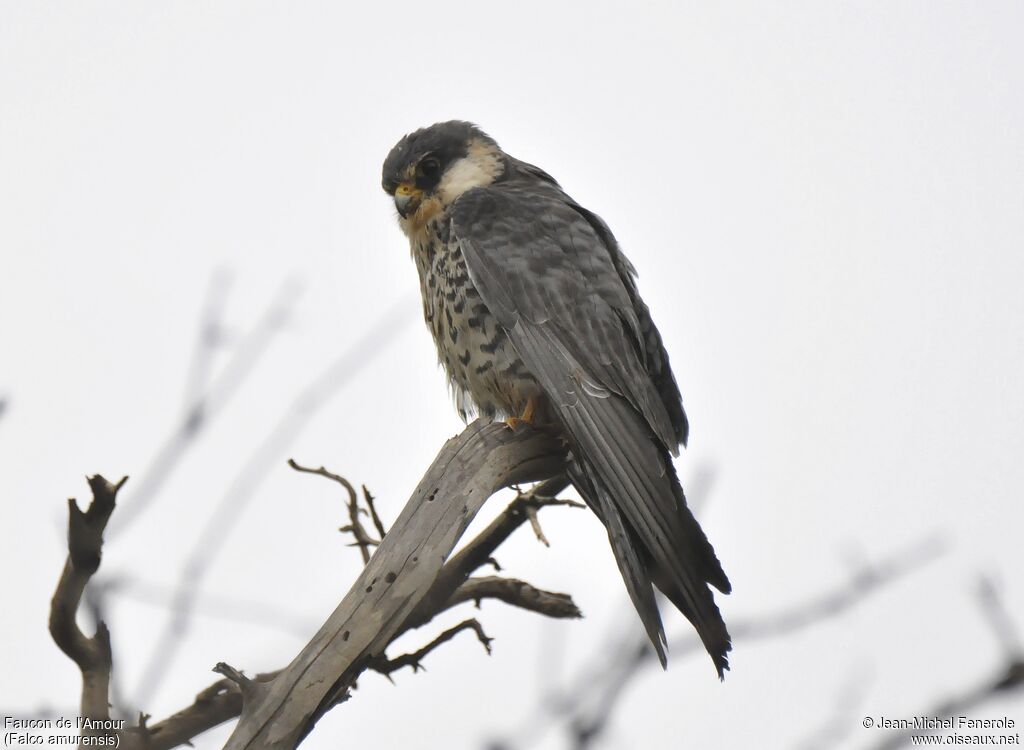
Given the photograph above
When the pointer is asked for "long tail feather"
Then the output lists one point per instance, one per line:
(629, 480)
(633, 570)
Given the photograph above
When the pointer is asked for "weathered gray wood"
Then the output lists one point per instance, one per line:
(469, 469)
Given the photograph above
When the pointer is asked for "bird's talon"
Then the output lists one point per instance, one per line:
(527, 417)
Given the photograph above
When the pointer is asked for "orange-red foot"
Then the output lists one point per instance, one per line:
(526, 418)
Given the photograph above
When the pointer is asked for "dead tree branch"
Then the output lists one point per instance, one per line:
(480, 550)
(406, 570)
(1006, 679)
(85, 548)
(222, 701)
(227, 607)
(863, 582)
(586, 708)
(516, 593)
(226, 513)
(227, 704)
(470, 468)
(206, 397)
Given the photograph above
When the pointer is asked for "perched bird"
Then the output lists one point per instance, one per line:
(537, 318)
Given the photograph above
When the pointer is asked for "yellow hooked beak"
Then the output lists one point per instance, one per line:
(407, 198)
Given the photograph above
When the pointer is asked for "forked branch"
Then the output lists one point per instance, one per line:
(404, 584)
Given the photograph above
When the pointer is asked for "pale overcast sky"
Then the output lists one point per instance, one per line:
(825, 202)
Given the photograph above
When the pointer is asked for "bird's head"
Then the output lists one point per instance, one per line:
(429, 169)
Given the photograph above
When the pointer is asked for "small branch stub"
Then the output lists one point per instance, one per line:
(232, 674)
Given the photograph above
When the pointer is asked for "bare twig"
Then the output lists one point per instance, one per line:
(210, 337)
(228, 607)
(231, 507)
(206, 399)
(841, 720)
(386, 666)
(480, 550)
(85, 548)
(587, 707)
(531, 513)
(377, 523)
(1007, 678)
(355, 527)
(994, 611)
(517, 594)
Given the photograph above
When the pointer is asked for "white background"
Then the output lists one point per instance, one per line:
(824, 201)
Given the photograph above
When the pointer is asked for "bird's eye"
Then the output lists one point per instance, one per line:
(430, 168)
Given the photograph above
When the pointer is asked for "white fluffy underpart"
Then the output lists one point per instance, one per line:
(479, 167)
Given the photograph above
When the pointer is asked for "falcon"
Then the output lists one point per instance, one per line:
(536, 316)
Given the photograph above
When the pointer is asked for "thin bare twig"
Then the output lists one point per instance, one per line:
(386, 666)
(207, 399)
(994, 611)
(480, 551)
(231, 507)
(210, 337)
(587, 707)
(842, 720)
(531, 513)
(355, 527)
(1006, 679)
(227, 607)
(377, 523)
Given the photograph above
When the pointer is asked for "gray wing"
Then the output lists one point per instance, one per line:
(545, 272)
(542, 262)
(649, 344)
